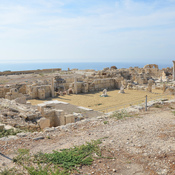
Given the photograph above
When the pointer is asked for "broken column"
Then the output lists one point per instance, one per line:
(121, 90)
(75, 85)
(104, 93)
(150, 83)
(52, 88)
(173, 70)
(164, 87)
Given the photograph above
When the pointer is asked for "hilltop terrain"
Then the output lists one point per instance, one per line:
(139, 144)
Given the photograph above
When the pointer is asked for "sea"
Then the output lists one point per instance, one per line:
(78, 65)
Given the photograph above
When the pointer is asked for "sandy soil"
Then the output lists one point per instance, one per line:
(141, 145)
(96, 102)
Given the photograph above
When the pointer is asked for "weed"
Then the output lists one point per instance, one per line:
(5, 133)
(58, 163)
(11, 171)
(105, 122)
(157, 106)
(173, 112)
(70, 158)
(22, 157)
(171, 107)
(3, 81)
(48, 137)
(41, 74)
(5, 172)
(45, 171)
(120, 115)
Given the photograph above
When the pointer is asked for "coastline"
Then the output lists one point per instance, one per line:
(76, 65)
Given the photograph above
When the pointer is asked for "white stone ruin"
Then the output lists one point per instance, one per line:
(121, 90)
(173, 70)
(104, 93)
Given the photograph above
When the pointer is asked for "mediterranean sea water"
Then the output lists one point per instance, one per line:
(64, 66)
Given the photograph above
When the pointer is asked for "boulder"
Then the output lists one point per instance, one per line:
(44, 123)
(70, 118)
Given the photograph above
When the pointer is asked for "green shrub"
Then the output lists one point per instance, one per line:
(58, 163)
(157, 106)
(105, 122)
(120, 115)
(5, 133)
(11, 171)
(173, 112)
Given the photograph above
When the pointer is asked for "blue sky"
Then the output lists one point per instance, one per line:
(87, 30)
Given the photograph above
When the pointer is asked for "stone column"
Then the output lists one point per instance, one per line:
(52, 87)
(173, 70)
(75, 85)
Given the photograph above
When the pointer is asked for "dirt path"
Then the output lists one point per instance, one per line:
(141, 145)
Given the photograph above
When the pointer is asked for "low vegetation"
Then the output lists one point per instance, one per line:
(120, 115)
(105, 122)
(173, 112)
(58, 163)
(5, 133)
(157, 106)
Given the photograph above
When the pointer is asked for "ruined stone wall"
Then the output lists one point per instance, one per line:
(152, 70)
(41, 92)
(100, 84)
(13, 94)
(29, 71)
(3, 91)
(21, 88)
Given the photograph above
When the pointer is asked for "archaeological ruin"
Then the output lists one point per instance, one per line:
(17, 87)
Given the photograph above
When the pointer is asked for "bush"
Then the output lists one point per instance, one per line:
(6, 133)
(58, 163)
(120, 115)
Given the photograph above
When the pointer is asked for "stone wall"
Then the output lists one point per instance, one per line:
(41, 92)
(29, 71)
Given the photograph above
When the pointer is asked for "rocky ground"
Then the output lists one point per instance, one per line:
(139, 145)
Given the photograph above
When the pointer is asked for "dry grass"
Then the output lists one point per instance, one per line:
(94, 101)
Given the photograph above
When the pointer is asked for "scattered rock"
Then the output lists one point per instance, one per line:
(22, 134)
(38, 138)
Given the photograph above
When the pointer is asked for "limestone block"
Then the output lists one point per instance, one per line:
(34, 93)
(14, 91)
(28, 103)
(50, 114)
(60, 119)
(22, 89)
(1, 127)
(21, 100)
(31, 116)
(8, 96)
(47, 90)
(70, 118)
(41, 94)
(44, 123)
(41, 108)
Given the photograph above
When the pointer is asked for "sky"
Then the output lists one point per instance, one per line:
(87, 31)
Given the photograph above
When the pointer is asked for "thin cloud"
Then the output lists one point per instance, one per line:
(124, 28)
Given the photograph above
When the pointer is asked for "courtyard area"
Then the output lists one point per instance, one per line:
(114, 100)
